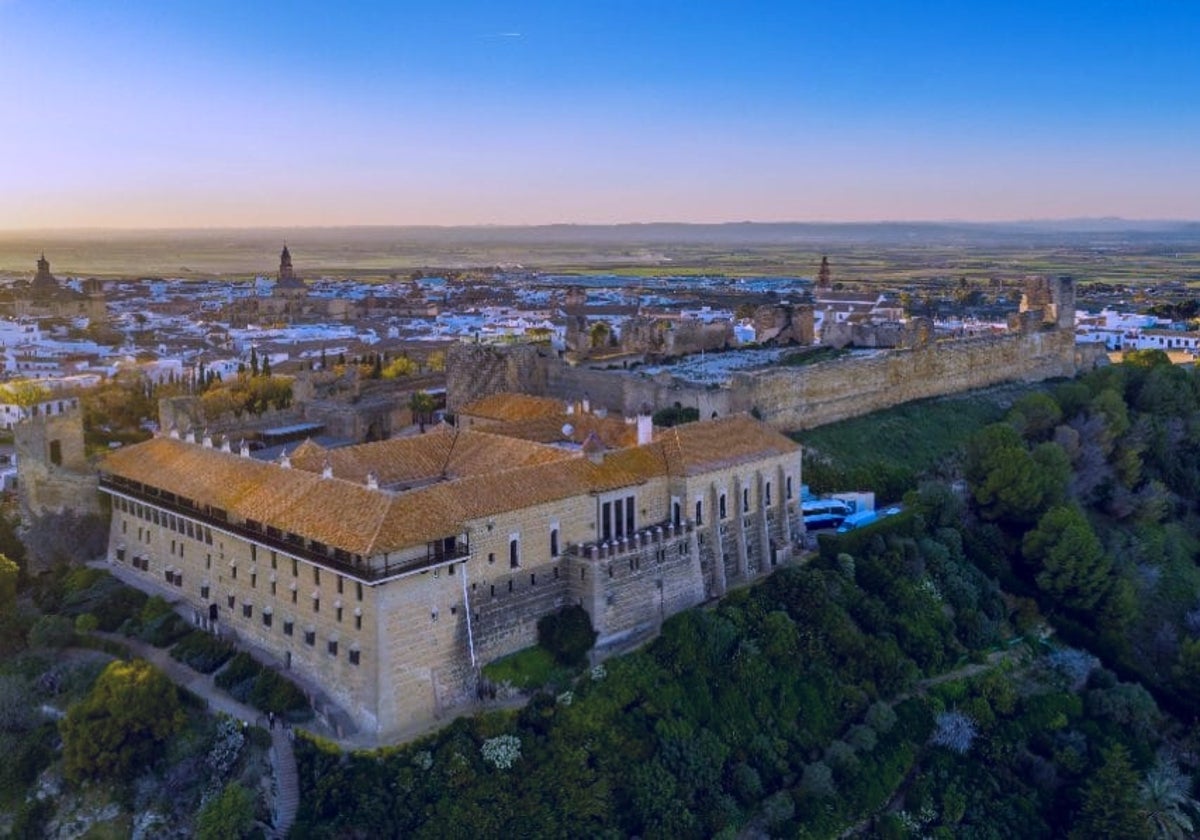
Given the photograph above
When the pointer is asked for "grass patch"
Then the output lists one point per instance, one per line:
(811, 357)
(530, 668)
(890, 451)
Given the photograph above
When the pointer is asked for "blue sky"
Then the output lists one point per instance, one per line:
(216, 113)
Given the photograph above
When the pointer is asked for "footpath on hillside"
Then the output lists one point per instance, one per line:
(283, 761)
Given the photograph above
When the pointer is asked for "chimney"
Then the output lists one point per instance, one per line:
(173, 434)
(587, 404)
(327, 470)
(207, 440)
(190, 437)
(244, 448)
(645, 427)
(570, 409)
(284, 460)
(372, 481)
(225, 446)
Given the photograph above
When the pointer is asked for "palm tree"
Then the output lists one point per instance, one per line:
(1167, 803)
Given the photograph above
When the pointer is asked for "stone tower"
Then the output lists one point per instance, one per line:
(286, 272)
(824, 281)
(43, 281)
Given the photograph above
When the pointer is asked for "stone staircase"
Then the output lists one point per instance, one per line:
(287, 784)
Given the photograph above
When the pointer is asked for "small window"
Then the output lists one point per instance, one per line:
(699, 512)
(293, 596)
(789, 486)
(204, 592)
(232, 600)
(316, 605)
(357, 621)
(332, 647)
(491, 557)
(553, 542)
(274, 560)
(288, 627)
(358, 590)
(514, 553)
(721, 510)
(339, 614)
(253, 580)
(745, 500)
(233, 572)
(266, 616)
(295, 567)
(247, 611)
(317, 575)
(55, 450)
(340, 583)
(310, 637)
(767, 494)
(354, 656)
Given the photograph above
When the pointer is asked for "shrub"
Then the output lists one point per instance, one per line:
(202, 652)
(502, 752)
(955, 731)
(240, 669)
(52, 631)
(567, 634)
(164, 630)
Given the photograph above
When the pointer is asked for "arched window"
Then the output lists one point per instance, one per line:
(514, 553)
(554, 542)
(721, 511)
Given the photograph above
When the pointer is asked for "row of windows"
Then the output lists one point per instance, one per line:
(186, 527)
(178, 524)
(289, 629)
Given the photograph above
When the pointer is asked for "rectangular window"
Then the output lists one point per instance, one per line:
(272, 587)
(293, 596)
(266, 616)
(253, 580)
(629, 518)
(767, 494)
(231, 600)
(233, 572)
(317, 575)
(358, 589)
(514, 553)
(745, 500)
(357, 621)
(789, 487)
(247, 611)
(619, 517)
(310, 637)
(316, 605)
(274, 560)
(204, 592)
(340, 583)
(287, 628)
(553, 542)
(339, 614)
(606, 521)
(295, 567)
(354, 656)
(253, 553)
(332, 646)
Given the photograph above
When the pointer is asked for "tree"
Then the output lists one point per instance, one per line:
(1009, 483)
(253, 361)
(114, 731)
(422, 405)
(1167, 804)
(1069, 561)
(568, 634)
(9, 573)
(1110, 801)
(230, 815)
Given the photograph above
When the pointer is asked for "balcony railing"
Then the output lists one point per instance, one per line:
(436, 553)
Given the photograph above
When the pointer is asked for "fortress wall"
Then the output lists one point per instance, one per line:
(478, 370)
(826, 392)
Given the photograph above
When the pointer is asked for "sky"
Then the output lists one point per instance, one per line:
(180, 113)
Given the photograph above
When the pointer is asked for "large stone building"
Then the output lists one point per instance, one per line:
(388, 573)
(45, 297)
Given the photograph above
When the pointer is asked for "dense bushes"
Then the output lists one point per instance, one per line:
(249, 682)
(202, 652)
(567, 634)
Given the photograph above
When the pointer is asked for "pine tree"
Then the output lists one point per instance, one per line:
(1110, 801)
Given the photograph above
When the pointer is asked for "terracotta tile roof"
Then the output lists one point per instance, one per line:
(613, 431)
(693, 448)
(444, 453)
(508, 407)
(489, 475)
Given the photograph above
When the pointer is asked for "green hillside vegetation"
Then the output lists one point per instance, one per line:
(889, 451)
(1023, 661)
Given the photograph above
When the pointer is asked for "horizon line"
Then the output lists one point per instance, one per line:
(533, 225)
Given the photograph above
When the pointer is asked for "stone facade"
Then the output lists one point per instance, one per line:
(53, 472)
(400, 643)
(1041, 346)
